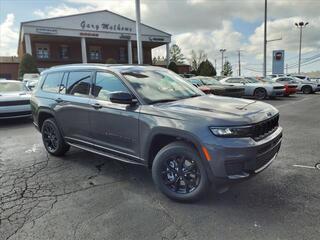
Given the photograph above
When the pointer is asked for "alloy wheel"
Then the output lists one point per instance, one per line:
(50, 137)
(181, 174)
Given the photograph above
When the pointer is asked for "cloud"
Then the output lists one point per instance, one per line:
(8, 36)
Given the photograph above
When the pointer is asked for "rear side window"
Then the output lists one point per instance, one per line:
(79, 83)
(234, 80)
(52, 82)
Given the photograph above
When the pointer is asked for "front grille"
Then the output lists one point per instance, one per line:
(264, 128)
(14, 103)
(279, 87)
(15, 114)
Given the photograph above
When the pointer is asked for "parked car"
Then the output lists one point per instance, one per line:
(187, 75)
(150, 116)
(304, 86)
(290, 87)
(197, 83)
(211, 85)
(14, 100)
(302, 77)
(31, 80)
(255, 88)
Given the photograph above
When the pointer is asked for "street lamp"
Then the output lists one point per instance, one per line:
(222, 52)
(300, 25)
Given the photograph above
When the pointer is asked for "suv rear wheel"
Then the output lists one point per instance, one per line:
(178, 172)
(52, 138)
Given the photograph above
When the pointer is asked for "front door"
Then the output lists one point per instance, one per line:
(114, 126)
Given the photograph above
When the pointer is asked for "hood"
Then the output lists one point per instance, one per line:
(217, 110)
(12, 96)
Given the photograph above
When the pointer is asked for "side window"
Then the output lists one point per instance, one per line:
(105, 84)
(63, 85)
(52, 82)
(79, 83)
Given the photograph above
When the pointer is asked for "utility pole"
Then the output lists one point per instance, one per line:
(300, 25)
(239, 62)
(222, 52)
(215, 64)
(138, 33)
(265, 40)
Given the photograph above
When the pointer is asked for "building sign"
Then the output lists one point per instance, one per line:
(46, 30)
(85, 34)
(278, 62)
(105, 27)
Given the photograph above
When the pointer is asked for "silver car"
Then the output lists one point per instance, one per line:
(255, 88)
(14, 99)
(305, 86)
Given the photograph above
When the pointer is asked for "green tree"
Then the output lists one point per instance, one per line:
(173, 67)
(227, 69)
(206, 69)
(176, 55)
(111, 61)
(27, 65)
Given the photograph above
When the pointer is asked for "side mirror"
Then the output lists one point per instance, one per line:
(122, 98)
(243, 82)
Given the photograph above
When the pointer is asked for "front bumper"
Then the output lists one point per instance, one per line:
(238, 158)
(277, 92)
(18, 111)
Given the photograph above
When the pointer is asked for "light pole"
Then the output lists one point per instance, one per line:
(138, 33)
(300, 25)
(222, 52)
(265, 40)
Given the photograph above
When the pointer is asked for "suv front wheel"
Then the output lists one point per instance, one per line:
(52, 138)
(178, 172)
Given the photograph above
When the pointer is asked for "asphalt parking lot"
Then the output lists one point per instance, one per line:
(85, 196)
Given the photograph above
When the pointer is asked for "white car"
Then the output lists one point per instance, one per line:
(31, 80)
(253, 87)
(304, 86)
(14, 99)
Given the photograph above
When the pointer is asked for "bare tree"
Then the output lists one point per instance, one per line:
(197, 58)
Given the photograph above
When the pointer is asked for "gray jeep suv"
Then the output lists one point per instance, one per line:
(150, 116)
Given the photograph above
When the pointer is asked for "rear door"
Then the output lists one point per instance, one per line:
(72, 110)
(114, 126)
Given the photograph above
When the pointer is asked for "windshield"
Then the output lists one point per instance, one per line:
(195, 81)
(160, 85)
(12, 87)
(210, 81)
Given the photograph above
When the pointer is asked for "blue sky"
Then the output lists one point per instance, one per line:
(194, 24)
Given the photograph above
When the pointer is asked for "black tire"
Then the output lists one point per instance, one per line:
(52, 138)
(179, 163)
(260, 93)
(306, 89)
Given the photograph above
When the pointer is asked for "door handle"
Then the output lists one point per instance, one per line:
(96, 105)
(58, 100)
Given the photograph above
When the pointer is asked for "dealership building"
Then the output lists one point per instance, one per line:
(90, 37)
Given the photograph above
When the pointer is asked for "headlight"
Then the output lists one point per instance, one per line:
(230, 131)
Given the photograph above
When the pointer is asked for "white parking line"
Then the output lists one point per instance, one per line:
(303, 166)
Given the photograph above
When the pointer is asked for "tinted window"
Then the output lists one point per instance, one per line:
(79, 83)
(52, 82)
(105, 84)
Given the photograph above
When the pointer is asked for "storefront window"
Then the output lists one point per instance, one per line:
(122, 54)
(42, 51)
(64, 51)
(95, 53)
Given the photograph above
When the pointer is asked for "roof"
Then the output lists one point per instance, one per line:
(9, 59)
(85, 13)
(96, 66)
